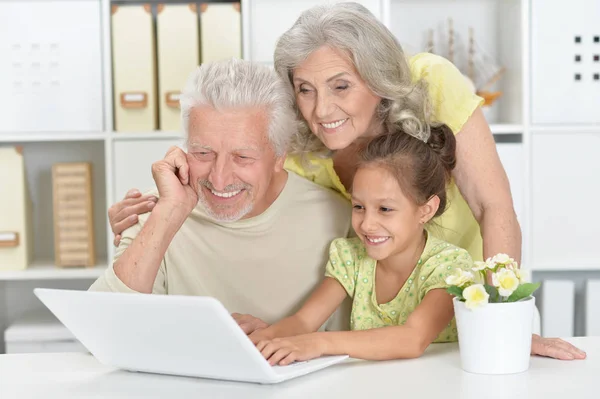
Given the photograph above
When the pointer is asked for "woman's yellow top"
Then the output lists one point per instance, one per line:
(453, 103)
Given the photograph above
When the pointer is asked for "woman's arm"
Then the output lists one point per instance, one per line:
(482, 181)
(316, 310)
(124, 214)
(407, 341)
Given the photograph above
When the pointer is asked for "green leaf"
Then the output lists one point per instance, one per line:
(455, 291)
(523, 291)
(492, 292)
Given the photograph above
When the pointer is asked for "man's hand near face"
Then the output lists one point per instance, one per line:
(172, 177)
(138, 266)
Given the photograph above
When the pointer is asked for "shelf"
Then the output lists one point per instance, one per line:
(83, 136)
(561, 267)
(50, 136)
(565, 128)
(46, 270)
(146, 135)
(501, 128)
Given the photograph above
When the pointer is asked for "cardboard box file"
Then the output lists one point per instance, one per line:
(221, 31)
(73, 218)
(16, 249)
(178, 55)
(134, 68)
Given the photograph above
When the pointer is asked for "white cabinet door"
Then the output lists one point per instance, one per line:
(511, 155)
(132, 163)
(565, 190)
(565, 55)
(50, 66)
(269, 19)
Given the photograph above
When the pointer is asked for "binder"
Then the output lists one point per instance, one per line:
(178, 55)
(16, 249)
(221, 31)
(134, 68)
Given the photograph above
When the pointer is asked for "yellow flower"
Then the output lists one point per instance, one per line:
(480, 265)
(522, 275)
(459, 278)
(506, 281)
(502, 258)
(475, 296)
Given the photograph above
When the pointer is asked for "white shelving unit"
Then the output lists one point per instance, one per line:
(502, 27)
(47, 271)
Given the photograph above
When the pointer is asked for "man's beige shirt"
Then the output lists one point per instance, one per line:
(265, 266)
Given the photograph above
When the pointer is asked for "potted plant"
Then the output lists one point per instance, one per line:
(494, 307)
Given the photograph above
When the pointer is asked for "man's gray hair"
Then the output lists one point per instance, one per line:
(238, 83)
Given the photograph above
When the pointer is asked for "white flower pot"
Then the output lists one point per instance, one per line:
(495, 338)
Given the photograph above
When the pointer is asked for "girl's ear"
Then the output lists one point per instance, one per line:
(429, 209)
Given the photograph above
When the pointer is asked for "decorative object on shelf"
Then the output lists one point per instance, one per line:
(482, 70)
(73, 218)
(16, 249)
(221, 31)
(134, 68)
(178, 51)
(494, 321)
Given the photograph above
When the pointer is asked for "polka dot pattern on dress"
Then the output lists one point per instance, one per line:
(350, 265)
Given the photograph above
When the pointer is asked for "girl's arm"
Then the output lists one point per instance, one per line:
(407, 341)
(316, 310)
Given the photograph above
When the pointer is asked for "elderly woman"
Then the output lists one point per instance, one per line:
(351, 81)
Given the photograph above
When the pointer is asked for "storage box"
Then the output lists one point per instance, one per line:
(16, 232)
(221, 31)
(178, 55)
(134, 68)
(51, 66)
(39, 331)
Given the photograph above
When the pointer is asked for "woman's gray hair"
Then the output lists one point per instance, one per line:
(376, 55)
(237, 83)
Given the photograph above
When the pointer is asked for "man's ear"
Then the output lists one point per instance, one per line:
(280, 161)
(429, 209)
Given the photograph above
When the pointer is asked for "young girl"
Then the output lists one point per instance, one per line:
(394, 270)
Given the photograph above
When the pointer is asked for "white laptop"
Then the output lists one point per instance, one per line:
(168, 334)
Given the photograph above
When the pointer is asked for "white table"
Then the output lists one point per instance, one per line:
(435, 375)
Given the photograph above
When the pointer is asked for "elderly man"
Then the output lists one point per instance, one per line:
(230, 221)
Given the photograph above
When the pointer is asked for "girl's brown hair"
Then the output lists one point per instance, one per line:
(422, 169)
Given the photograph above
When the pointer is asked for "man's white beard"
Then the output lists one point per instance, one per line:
(224, 216)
